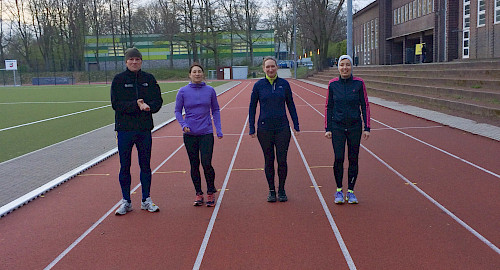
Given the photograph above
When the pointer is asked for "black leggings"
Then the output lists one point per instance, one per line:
(339, 138)
(269, 141)
(201, 145)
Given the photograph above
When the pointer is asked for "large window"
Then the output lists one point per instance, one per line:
(481, 13)
(466, 31)
(497, 11)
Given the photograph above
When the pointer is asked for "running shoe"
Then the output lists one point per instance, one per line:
(149, 205)
(198, 201)
(124, 208)
(351, 198)
(272, 196)
(339, 197)
(282, 196)
(210, 200)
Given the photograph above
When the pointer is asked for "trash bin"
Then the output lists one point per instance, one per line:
(254, 75)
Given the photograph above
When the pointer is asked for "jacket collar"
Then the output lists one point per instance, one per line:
(197, 85)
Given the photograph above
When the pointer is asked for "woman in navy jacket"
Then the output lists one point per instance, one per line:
(347, 108)
(273, 130)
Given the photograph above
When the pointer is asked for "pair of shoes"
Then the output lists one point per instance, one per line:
(124, 208)
(272, 196)
(210, 200)
(339, 197)
(350, 198)
(198, 201)
(282, 196)
(149, 205)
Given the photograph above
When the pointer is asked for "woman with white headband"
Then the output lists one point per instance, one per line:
(347, 108)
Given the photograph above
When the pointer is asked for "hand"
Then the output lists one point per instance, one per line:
(296, 133)
(366, 135)
(186, 129)
(253, 135)
(143, 106)
(220, 137)
(328, 134)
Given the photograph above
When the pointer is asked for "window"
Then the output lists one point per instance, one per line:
(376, 32)
(395, 17)
(497, 11)
(466, 23)
(430, 6)
(481, 13)
(399, 15)
(419, 8)
(414, 9)
(424, 7)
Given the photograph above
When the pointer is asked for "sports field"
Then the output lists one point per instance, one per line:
(34, 117)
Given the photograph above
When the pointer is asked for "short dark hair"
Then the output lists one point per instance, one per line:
(132, 52)
(195, 64)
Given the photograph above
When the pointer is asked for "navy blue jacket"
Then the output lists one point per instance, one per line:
(346, 100)
(127, 87)
(272, 99)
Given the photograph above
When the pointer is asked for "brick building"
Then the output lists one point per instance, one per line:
(388, 31)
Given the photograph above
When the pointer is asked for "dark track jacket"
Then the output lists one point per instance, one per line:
(127, 87)
(346, 100)
(272, 99)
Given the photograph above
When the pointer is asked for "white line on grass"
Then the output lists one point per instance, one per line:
(52, 118)
(448, 212)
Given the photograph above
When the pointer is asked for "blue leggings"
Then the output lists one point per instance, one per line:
(143, 142)
(339, 138)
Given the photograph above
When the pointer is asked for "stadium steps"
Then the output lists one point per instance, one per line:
(467, 88)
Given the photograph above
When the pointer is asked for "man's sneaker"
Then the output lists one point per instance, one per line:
(339, 197)
(282, 196)
(198, 201)
(124, 208)
(149, 205)
(210, 200)
(351, 198)
(272, 196)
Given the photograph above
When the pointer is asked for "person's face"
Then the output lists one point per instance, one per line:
(196, 75)
(270, 68)
(345, 68)
(134, 64)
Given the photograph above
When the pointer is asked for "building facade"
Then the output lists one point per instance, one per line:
(392, 31)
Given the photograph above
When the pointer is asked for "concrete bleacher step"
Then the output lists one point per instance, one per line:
(471, 87)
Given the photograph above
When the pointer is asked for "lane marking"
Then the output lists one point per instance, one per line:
(89, 230)
(321, 166)
(93, 174)
(170, 172)
(99, 221)
(449, 213)
(408, 135)
(251, 169)
(328, 214)
(210, 227)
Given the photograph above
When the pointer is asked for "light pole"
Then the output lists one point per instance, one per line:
(294, 42)
(349, 28)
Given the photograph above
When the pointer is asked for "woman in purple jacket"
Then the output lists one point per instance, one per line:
(199, 102)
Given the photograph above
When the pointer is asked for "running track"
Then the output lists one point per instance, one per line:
(429, 199)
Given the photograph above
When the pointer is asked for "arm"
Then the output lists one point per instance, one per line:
(179, 105)
(365, 110)
(216, 114)
(291, 107)
(329, 112)
(157, 101)
(254, 99)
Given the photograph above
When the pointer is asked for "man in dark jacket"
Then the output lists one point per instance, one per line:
(135, 96)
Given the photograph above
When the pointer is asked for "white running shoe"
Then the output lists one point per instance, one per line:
(149, 205)
(124, 208)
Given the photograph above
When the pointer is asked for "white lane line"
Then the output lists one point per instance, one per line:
(414, 138)
(210, 227)
(333, 225)
(52, 118)
(448, 212)
(89, 230)
(441, 150)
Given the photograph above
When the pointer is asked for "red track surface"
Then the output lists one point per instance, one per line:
(394, 227)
